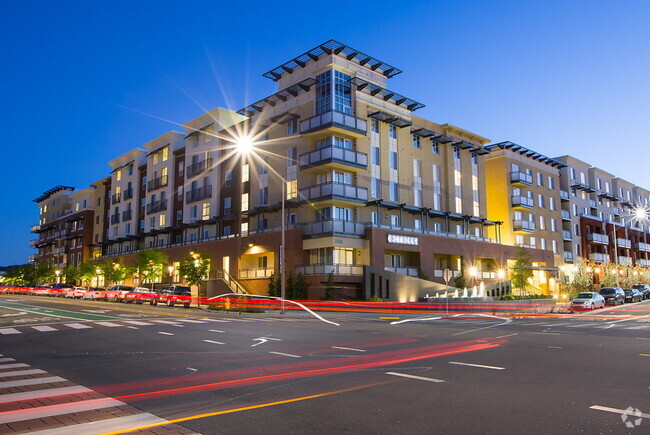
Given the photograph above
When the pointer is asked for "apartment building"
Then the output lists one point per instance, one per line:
(65, 226)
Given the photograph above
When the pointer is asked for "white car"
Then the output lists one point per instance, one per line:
(588, 301)
(75, 292)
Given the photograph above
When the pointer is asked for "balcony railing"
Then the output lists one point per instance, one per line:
(34, 228)
(642, 247)
(333, 190)
(566, 215)
(157, 183)
(564, 195)
(255, 273)
(198, 168)
(334, 227)
(126, 215)
(115, 198)
(522, 201)
(333, 154)
(568, 255)
(523, 225)
(440, 273)
(198, 194)
(333, 119)
(155, 207)
(33, 243)
(407, 270)
(598, 238)
(32, 257)
(643, 262)
(115, 219)
(592, 203)
(566, 235)
(430, 232)
(598, 257)
(326, 269)
(624, 260)
(623, 243)
(521, 177)
(127, 194)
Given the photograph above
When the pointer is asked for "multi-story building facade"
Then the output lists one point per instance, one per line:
(369, 189)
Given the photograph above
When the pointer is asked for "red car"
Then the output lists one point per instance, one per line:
(140, 295)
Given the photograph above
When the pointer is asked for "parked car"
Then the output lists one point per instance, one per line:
(117, 292)
(644, 289)
(633, 295)
(175, 294)
(613, 295)
(75, 292)
(140, 295)
(95, 293)
(588, 300)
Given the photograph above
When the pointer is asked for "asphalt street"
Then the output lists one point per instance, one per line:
(69, 366)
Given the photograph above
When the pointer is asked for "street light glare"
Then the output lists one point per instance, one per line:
(641, 213)
(244, 144)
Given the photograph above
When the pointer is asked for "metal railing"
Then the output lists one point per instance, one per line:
(333, 153)
(522, 201)
(406, 270)
(326, 269)
(430, 232)
(115, 198)
(115, 219)
(255, 273)
(127, 194)
(568, 255)
(332, 189)
(564, 195)
(521, 177)
(333, 119)
(566, 235)
(126, 215)
(597, 256)
(198, 168)
(157, 183)
(598, 238)
(198, 194)
(623, 243)
(154, 207)
(521, 225)
(234, 286)
(640, 246)
(566, 215)
(334, 227)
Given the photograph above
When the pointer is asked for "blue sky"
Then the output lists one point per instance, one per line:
(557, 77)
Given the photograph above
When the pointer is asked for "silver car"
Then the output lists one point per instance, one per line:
(588, 300)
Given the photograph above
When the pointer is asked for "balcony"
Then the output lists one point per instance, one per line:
(624, 260)
(255, 273)
(34, 228)
(61, 233)
(407, 270)
(522, 202)
(198, 168)
(568, 256)
(116, 198)
(439, 273)
(521, 178)
(566, 235)
(566, 215)
(334, 227)
(526, 226)
(642, 247)
(337, 157)
(115, 219)
(326, 269)
(623, 243)
(332, 190)
(33, 243)
(592, 203)
(155, 207)
(564, 195)
(198, 194)
(600, 239)
(333, 119)
(157, 183)
(617, 211)
(32, 258)
(126, 215)
(643, 262)
(127, 194)
(598, 257)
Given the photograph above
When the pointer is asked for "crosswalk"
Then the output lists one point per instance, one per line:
(130, 323)
(36, 402)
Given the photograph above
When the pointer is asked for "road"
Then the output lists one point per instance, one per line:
(70, 366)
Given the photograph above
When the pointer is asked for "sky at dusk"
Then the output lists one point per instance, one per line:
(83, 82)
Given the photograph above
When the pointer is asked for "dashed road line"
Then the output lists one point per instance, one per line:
(619, 411)
(108, 324)
(419, 378)
(44, 328)
(213, 342)
(8, 331)
(165, 333)
(348, 348)
(216, 330)
(12, 366)
(77, 326)
(286, 354)
(477, 365)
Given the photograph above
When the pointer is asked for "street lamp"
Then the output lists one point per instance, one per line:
(57, 273)
(171, 273)
(245, 145)
(640, 214)
(97, 272)
(501, 274)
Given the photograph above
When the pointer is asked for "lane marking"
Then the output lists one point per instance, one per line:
(644, 354)
(23, 382)
(136, 322)
(166, 322)
(40, 394)
(165, 333)
(7, 331)
(190, 321)
(110, 424)
(13, 366)
(389, 318)
(286, 354)
(21, 373)
(107, 324)
(53, 312)
(53, 410)
(77, 326)
(509, 335)
(618, 411)
(133, 327)
(349, 348)
(44, 328)
(216, 330)
(419, 378)
(554, 347)
(477, 365)
(217, 320)
(7, 359)
(213, 342)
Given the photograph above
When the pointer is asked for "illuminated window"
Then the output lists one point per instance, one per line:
(245, 170)
(244, 228)
(162, 220)
(206, 210)
(292, 189)
(154, 158)
(165, 154)
(118, 175)
(244, 202)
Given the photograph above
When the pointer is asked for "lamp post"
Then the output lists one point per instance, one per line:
(501, 274)
(97, 272)
(640, 214)
(171, 274)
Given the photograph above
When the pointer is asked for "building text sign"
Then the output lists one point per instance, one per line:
(403, 240)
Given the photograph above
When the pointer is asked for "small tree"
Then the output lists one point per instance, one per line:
(15, 276)
(610, 274)
(521, 270)
(113, 272)
(300, 287)
(582, 279)
(150, 266)
(87, 272)
(273, 287)
(290, 287)
(194, 269)
(70, 274)
(329, 287)
(461, 280)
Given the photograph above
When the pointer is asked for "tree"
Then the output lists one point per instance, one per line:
(113, 272)
(521, 270)
(194, 269)
(87, 272)
(69, 274)
(461, 281)
(150, 266)
(274, 285)
(300, 287)
(290, 288)
(583, 278)
(329, 287)
(610, 274)
(15, 275)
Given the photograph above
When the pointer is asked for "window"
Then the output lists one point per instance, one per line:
(554, 246)
(540, 201)
(392, 160)
(553, 225)
(152, 223)
(263, 166)
(292, 218)
(542, 244)
(162, 220)
(179, 217)
(226, 230)
(374, 125)
(228, 177)
(292, 189)
(542, 223)
(394, 220)
(393, 191)
(324, 92)
(206, 210)
(292, 126)
(154, 158)
(245, 169)
(416, 141)
(264, 195)
(374, 217)
(435, 148)
(342, 92)
(540, 179)
(551, 203)
(244, 202)
(375, 187)
(244, 228)
(551, 183)
(165, 153)
(227, 202)
(392, 131)
(374, 155)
